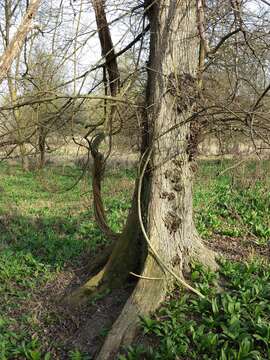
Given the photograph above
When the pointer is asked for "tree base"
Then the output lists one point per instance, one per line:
(147, 296)
(149, 292)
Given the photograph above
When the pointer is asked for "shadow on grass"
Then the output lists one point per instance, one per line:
(55, 241)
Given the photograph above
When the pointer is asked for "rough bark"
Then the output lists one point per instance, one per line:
(172, 95)
(171, 240)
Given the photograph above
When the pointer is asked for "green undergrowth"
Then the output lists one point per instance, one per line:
(47, 226)
(20, 275)
(231, 323)
(235, 204)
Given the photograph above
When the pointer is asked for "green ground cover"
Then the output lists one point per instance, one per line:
(45, 229)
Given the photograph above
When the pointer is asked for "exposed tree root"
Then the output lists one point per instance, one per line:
(123, 330)
(200, 253)
(86, 292)
(123, 259)
(147, 296)
(100, 260)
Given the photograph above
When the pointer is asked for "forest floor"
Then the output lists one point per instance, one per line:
(48, 239)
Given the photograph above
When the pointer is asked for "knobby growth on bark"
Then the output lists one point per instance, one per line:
(159, 239)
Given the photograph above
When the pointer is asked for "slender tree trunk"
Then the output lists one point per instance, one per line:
(13, 50)
(19, 131)
(14, 47)
(170, 241)
(41, 146)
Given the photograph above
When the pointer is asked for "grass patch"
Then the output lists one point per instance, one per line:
(46, 229)
(235, 204)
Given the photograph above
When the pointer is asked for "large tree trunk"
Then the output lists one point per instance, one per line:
(172, 95)
(170, 239)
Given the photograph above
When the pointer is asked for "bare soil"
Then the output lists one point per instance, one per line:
(63, 328)
(238, 249)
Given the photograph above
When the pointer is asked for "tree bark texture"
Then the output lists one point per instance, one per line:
(169, 138)
(172, 94)
(18, 39)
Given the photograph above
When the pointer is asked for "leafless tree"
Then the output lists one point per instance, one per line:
(207, 72)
